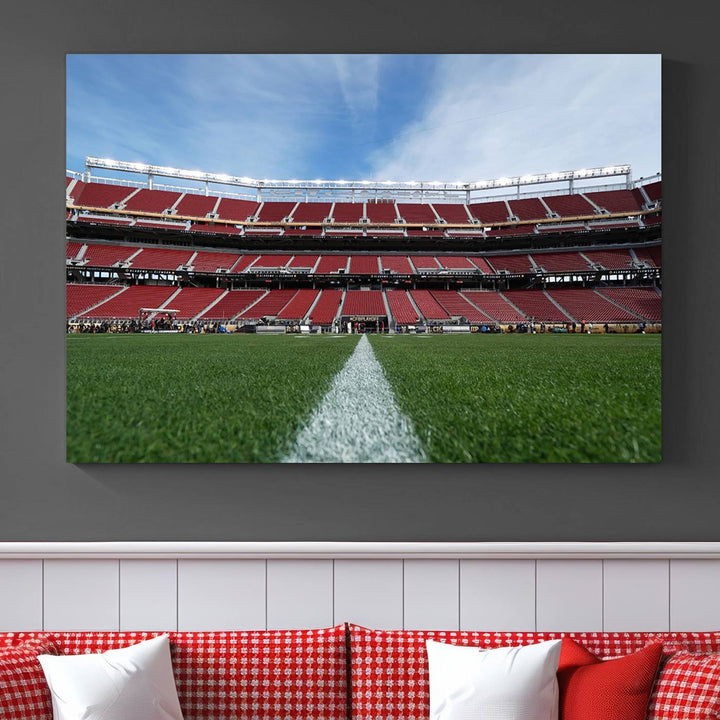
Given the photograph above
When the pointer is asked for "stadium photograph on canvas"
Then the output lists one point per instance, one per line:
(363, 258)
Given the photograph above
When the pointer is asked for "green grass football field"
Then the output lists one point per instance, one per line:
(470, 398)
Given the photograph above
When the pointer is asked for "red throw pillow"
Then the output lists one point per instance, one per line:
(616, 689)
(24, 692)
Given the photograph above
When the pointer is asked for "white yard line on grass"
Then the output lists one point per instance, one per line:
(358, 420)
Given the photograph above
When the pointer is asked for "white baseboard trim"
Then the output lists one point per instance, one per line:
(361, 550)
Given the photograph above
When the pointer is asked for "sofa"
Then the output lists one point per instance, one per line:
(347, 672)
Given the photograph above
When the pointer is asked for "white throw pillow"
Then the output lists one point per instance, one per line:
(513, 683)
(135, 682)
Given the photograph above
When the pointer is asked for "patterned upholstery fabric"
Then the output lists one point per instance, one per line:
(253, 675)
(24, 693)
(389, 672)
(687, 688)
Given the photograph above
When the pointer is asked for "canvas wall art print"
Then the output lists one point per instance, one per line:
(363, 258)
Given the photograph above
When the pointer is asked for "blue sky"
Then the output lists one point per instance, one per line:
(353, 117)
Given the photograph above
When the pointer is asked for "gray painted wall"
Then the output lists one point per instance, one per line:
(42, 498)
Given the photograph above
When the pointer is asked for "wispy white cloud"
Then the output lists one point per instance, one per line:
(491, 116)
(358, 76)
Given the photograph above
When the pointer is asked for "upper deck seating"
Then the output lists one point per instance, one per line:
(452, 212)
(569, 205)
(331, 264)
(645, 302)
(455, 262)
(491, 212)
(326, 307)
(191, 301)
(482, 265)
(232, 304)
(417, 213)
(236, 209)
(381, 212)
(275, 211)
(535, 304)
(128, 303)
(193, 205)
(298, 307)
(76, 190)
(107, 255)
(364, 302)
(303, 261)
(271, 261)
(458, 306)
(587, 306)
(654, 191)
(244, 262)
(654, 219)
(560, 261)
(161, 259)
(494, 305)
(610, 259)
(401, 308)
(528, 209)
(615, 201)
(270, 305)
(100, 195)
(425, 262)
(152, 201)
(79, 298)
(364, 265)
(428, 305)
(347, 212)
(72, 249)
(206, 261)
(397, 263)
(311, 212)
(511, 263)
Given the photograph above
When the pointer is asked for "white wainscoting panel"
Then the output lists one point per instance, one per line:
(299, 594)
(148, 595)
(497, 595)
(369, 593)
(21, 595)
(570, 595)
(82, 594)
(431, 594)
(221, 594)
(635, 595)
(694, 595)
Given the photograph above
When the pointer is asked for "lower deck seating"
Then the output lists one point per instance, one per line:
(326, 307)
(303, 262)
(78, 298)
(428, 305)
(72, 249)
(191, 301)
(645, 302)
(610, 259)
(331, 264)
(232, 304)
(401, 308)
(587, 306)
(397, 263)
(364, 302)
(425, 262)
(107, 255)
(494, 305)
(364, 265)
(536, 305)
(560, 261)
(511, 263)
(458, 306)
(127, 304)
(455, 262)
(271, 261)
(270, 305)
(298, 307)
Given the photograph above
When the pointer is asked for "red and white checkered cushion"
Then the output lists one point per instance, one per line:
(252, 675)
(691, 642)
(389, 669)
(24, 692)
(687, 688)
